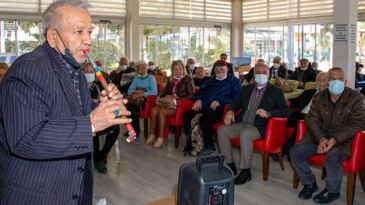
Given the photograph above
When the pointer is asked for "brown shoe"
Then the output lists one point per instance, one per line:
(149, 140)
(158, 143)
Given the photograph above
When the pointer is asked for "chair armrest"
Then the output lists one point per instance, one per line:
(150, 103)
(182, 106)
(275, 133)
(356, 161)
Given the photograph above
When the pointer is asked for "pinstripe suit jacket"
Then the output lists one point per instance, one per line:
(45, 134)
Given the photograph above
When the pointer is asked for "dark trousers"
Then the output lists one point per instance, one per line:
(206, 122)
(333, 165)
(111, 137)
(292, 122)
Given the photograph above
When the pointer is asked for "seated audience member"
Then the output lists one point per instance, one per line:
(224, 57)
(116, 75)
(315, 65)
(358, 70)
(190, 67)
(277, 70)
(105, 74)
(304, 73)
(336, 114)
(100, 156)
(250, 74)
(180, 85)
(257, 102)
(210, 101)
(151, 67)
(131, 64)
(158, 72)
(3, 68)
(200, 76)
(143, 80)
(303, 103)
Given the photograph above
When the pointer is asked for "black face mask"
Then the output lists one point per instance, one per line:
(68, 57)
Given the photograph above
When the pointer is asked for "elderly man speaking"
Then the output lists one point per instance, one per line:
(47, 117)
(257, 102)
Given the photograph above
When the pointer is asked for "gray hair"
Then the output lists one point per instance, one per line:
(277, 58)
(187, 60)
(335, 69)
(52, 17)
(261, 65)
(136, 65)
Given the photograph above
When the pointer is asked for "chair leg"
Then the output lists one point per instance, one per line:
(177, 135)
(295, 179)
(145, 127)
(350, 188)
(362, 178)
(265, 165)
(323, 175)
(280, 155)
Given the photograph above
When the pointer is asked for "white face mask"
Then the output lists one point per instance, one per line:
(221, 76)
(276, 65)
(90, 77)
(192, 66)
(303, 69)
(123, 67)
(152, 67)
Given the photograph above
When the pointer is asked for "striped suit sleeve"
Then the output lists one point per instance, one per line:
(30, 131)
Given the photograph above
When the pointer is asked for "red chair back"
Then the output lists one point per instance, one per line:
(275, 133)
(301, 130)
(159, 79)
(356, 161)
(150, 103)
(160, 87)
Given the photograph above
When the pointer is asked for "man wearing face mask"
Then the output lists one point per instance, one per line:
(151, 67)
(336, 114)
(116, 75)
(304, 73)
(277, 70)
(257, 102)
(190, 67)
(211, 99)
(47, 117)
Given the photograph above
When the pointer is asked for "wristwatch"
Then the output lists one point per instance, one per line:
(93, 130)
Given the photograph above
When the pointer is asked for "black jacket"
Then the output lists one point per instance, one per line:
(272, 101)
(283, 72)
(302, 100)
(309, 75)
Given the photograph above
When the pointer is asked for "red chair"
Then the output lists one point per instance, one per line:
(182, 106)
(354, 164)
(216, 126)
(160, 87)
(159, 79)
(145, 113)
(274, 139)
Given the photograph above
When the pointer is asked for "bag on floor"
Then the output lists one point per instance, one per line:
(194, 142)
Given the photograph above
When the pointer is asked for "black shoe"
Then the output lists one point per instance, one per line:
(308, 190)
(100, 167)
(233, 168)
(275, 157)
(207, 151)
(242, 178)
(326, 197)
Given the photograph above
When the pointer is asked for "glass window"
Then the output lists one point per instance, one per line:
(165, 46)
(224, 42)
(148, 46)
(196, 44)
(262, 44)
(249, 44)
(276, 43)
(210, 42)
(181, 43)
(110, 52)
(324, 47)
(28, 36)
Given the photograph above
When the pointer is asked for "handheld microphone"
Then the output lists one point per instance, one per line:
(132, 133)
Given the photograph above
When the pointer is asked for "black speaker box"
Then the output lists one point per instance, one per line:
(206, 182)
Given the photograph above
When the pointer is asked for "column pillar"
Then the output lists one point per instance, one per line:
(344, 38)
(132, 30)
(237, 29)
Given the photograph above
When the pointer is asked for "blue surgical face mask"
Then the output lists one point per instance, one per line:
(261, 79)
(90, 77)
(123, 67)
(68, 57)
(336, 87)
